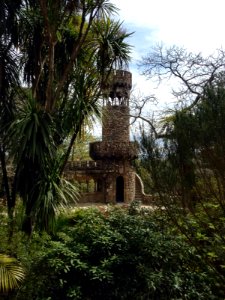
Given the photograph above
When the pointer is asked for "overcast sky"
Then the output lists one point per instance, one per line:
(197, 25)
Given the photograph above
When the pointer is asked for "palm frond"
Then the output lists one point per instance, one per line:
(55, 194)
(108, 44)
(106, 8)
(11, 273)
(32, 133)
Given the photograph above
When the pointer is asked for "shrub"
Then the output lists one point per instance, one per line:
(117, 256)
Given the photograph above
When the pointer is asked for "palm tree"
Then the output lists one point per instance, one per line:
(61, 55)
(9, 82)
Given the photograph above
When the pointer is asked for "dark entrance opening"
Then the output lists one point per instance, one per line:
(119, 189)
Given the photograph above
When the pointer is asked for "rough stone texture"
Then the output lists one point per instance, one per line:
(111, 171)
(118, 86)
(113, 150)
(115, 123)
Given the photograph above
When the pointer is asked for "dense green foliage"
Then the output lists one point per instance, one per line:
(117, 254)
(54, 56)
(186, 171)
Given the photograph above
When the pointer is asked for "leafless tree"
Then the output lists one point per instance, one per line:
(194, 72)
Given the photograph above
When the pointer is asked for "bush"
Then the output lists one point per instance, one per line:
(116, 256)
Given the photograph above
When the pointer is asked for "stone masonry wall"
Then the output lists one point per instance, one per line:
(115, 123)
(114, 150)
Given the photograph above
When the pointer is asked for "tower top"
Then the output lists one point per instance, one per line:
(117, 89)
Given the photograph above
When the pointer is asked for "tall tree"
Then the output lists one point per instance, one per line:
(184, 153)
(9, 81)
(193, 72)
(62, 47)
(186, 169)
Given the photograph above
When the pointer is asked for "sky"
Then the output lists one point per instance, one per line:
(197, 25)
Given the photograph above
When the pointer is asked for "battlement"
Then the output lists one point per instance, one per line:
(117, 89)
(83, 165)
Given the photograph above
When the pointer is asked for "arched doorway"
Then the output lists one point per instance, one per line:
(119, 189)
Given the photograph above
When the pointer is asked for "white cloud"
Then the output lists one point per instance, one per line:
(197, 25)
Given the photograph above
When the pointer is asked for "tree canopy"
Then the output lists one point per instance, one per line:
(183, 153)
(54, 57)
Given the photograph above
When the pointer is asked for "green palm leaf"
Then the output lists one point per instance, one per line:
(108, 44)
(11, 273)
(55, 194)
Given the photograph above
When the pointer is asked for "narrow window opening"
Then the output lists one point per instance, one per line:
(119, 189)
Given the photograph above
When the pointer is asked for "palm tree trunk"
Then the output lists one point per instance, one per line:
(5, 180)
(67, 154)
(9, 198)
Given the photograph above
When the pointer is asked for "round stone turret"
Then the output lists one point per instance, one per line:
(115, 120)
(117, 89)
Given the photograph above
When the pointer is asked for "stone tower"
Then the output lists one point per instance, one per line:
(116, 151)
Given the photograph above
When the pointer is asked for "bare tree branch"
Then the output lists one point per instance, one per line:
(193, 71)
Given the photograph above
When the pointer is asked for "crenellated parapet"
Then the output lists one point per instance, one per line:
(117, 89)
(84, 165)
